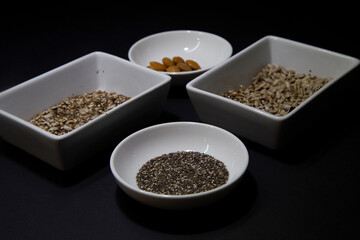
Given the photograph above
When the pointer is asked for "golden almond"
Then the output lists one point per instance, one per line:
(167, 62)
(173, 69)
(178, 59)
(194, 65)
(183, 66)
(157, 66)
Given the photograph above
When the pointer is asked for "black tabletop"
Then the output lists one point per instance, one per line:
(309, 190)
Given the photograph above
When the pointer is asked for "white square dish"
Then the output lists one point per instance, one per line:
(259, 126)
(96, 71)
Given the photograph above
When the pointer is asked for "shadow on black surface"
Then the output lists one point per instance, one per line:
(50, 173)
(308, 145)
(232, 208)
(312, 142)
(178, 92)
(293, 153)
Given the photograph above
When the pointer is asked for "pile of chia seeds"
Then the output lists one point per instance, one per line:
(181, 173)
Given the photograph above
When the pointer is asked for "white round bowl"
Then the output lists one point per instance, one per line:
(141, 146)
(205, 48)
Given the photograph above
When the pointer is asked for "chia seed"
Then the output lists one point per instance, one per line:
(181, 173)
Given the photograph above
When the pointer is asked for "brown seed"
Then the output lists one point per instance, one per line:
(173, 69)
(194, 65)
(168, 62)
(157, 66)
(183, 66)
(178, 59)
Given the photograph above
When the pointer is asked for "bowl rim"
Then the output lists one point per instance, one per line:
(54, 137)
(190, 85)
(179, 31)
(185, 196)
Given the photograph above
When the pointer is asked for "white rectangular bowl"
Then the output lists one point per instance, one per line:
(264, 128)
(96, 71)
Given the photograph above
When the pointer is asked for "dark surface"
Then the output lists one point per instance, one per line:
(307, 191)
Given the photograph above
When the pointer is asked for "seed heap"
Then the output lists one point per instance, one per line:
(181, 173)
(277, 90)
(76, 111)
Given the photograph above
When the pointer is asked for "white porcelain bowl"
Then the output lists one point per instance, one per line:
(140, 147)
(205, 48)
(96, 71)
(264, 128)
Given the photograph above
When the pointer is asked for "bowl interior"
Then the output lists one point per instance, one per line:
(95, 71)
(205, 48)
(303, 58)
(138, 148)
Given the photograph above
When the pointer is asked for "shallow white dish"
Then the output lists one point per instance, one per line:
(135, 150)
(96, 71)
(205, 48)
(259, 126)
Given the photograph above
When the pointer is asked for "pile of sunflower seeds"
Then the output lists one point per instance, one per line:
(76, 111)
(181, 173)
(277, 90)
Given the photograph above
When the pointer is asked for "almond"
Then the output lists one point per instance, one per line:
(157, 66)
(194, 65)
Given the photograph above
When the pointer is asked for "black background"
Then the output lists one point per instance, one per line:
(307, 191)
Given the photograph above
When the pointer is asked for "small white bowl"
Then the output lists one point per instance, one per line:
(96, 71)
(140, 147)
(264, 128)
(205, 48)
